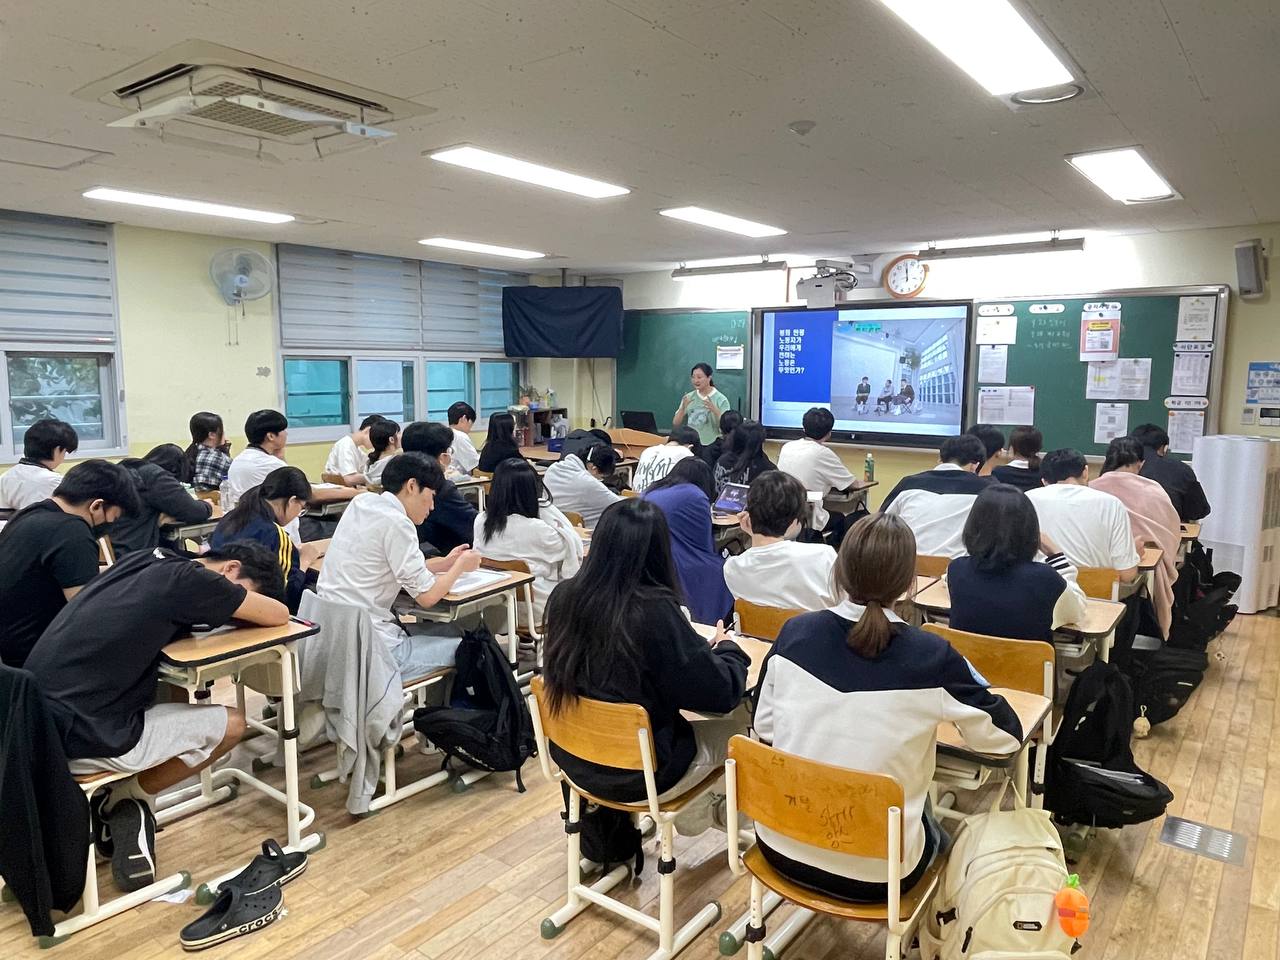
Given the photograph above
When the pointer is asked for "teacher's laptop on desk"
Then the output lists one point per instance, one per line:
(639, 420)
(732, 499)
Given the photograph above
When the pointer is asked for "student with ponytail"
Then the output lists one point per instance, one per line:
(384, 438)
(857, 687)
(1023, 471)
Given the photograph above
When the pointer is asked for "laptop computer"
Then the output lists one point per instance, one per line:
(639, 420)
(732, 499)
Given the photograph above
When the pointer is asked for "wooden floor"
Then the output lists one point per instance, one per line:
(470, 876)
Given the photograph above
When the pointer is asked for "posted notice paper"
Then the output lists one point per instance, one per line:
(996, 330)
(730, 357)
(1126, 379)
(1184, 427)
(1191, 374)
(1195, 318)
(1016, 405)
(993, 363)
(1110, 420)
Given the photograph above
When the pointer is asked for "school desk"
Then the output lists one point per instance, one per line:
(330, 499)
(454, 606)
(195, 662)
(477, 485)
(850, 499)
(171, 529)
(1190, 532)
(727, 531)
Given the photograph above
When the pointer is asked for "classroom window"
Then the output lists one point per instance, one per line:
(73, 387)
(448, 381)
(317, 392)
(499, 387)
(385, 387)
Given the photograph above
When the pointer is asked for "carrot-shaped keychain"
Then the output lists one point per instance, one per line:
(1072, 904)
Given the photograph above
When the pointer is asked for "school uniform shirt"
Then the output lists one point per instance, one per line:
(465, 454)
(272, 536)
(547, 543)
(935, 505)
(576, 490)
(25, 483)
(248, 470)
(785, 574)
(494, 453)
(373, 471)
(43, 551)
(1028, 601)
(346, 458)
(818, 467)
(159, 494)
(98, 661)
(1091, 527)
(656, 462)
(1179, 482)
(1017, 473)
(210, 468)
(819, 699)
(374, 554)
(451, 521)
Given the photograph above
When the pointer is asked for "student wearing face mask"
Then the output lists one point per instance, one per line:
(50, 550)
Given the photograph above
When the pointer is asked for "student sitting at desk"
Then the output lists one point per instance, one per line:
(268, 434)
(776, 571)
(518, 523)
(208, 456)
(1023, 471)
(992, 438)
(49, 551)
(500, 444)
(98, 664)
(745, 459)
(816, 465)
(935, 504)
(384, 443)
(713, 451)
(998, 589)
(1176, 476)
(576, 481)
(462, 418)
(261, 516)
(858, 688)
(1091, 527)
(34, 478)
(374, 554)
(685, 495)
(451, 523)
(1152, 517)
(616, 632)
(158, 477)
(656, 462)
(347, 458)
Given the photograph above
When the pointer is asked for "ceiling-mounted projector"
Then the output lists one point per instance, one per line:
(826, 288)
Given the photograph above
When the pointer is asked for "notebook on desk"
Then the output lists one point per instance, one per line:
(477, 580)
(732, 499)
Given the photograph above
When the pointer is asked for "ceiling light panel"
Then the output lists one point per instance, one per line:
(492, 250)
(473, 158)
(722, 221)
(183, 205)
(1124, 175)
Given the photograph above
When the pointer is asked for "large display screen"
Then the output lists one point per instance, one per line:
(896, 370)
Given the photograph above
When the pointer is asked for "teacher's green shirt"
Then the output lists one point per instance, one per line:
(699, 417)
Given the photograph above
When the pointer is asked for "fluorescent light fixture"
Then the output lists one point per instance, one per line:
(186, 206)
(760, 266)
(1124, 175)
(987, 39)
(1055, 245)
(722, 221)
(473, 158)
(492, 250)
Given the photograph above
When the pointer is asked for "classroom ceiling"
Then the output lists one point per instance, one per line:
(685, 101)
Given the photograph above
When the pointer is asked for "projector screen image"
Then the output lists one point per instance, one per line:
(896, 370)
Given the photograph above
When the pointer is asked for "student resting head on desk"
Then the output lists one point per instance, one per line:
(993, 442)
(776, 571)
(49, 551)
(384, 443)
(347, 457)
(45, 446)
(999, 589)
(745, 459)
(500, 443)
(98, 664)
(656, 462)
(576, 481)
(452, 517)
(261, 516)
(374, 554)
(616, 632)
(158, 477)
(208, 456)
(462, 420)
(1023, 471)
(856, 687)
(817, 466)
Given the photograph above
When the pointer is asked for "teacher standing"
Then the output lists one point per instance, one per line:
(702, 405)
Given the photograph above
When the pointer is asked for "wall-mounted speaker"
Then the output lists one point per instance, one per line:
(1251, 268)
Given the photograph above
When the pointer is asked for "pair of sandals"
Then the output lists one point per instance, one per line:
(249, 901)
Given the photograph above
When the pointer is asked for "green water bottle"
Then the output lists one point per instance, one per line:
(869, 468)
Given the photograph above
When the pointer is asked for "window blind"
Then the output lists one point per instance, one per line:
(462, 307)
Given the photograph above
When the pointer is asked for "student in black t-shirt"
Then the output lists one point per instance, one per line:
(49, 551)
(97, 665)
(1176, 476)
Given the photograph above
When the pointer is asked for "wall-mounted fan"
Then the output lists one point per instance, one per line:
(240, 275)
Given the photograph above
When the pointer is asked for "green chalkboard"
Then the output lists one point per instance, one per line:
(660, 346)
(1047, 356)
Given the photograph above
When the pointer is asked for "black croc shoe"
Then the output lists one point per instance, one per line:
(271, 868)
(232, 915)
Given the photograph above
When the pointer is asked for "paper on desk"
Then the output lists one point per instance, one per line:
(996, 330)
(1127, 379)
(1015, 405)
(993, 363)
(1195, 318)
(1191, 374)
(1110, 420)
(1184, 427)
(477, 579)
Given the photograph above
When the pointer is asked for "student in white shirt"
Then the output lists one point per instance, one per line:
(384, 443)
(1090, 526)
(936, 503)
(462, 418)
(520, 524)
(374, 554)
(656, 462)
(817, 466)
(34, 478)
(776, 571)
(575, 482)
(347, 457)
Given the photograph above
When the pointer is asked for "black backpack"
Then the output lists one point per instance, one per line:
(1201, 609)
(1092, 776)
(1164, 679)
(488, 723)
(605, 835)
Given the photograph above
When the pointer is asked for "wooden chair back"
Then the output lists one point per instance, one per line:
(837, 809)
(928, 566)
(333, 478)
(573, 517)
(481, 475)
(515, 566)
(1015, 664)
(595, 731)
(760, 621)
(214, 496)
(1101, 583)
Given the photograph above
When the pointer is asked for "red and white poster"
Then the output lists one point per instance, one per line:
(1100, 332)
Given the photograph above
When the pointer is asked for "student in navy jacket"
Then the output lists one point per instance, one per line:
(1023, 471)
(452, 520)
(261, 516)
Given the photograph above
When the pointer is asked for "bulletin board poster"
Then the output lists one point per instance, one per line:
(1263, 383)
